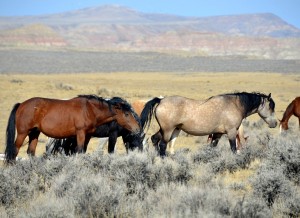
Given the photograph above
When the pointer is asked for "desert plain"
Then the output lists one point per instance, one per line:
(134, 86)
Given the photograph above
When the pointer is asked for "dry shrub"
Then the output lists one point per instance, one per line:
(141, 184)
(64, 86)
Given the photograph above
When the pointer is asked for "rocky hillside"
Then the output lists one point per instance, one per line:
(120, 28)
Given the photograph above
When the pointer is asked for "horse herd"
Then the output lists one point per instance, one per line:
(71, 123)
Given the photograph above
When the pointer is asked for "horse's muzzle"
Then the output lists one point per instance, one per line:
(273, 124)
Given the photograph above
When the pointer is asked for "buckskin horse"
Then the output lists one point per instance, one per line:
(292, 109)
(138, 106)
(217, 115)
(77, 117)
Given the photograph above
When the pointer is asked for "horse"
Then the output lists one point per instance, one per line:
(139, 105)
(218, 115)
(292, 109)
(112, 130)
(77, 117)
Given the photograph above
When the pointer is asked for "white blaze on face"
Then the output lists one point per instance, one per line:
(280, 128)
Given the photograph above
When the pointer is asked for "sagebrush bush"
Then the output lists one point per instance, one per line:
(285, 152)
(288, 207)
(141, 184)
(96, 196)
(46, 206)
(270, 184)
(250, 207)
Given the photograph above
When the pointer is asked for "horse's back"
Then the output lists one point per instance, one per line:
(297, 106)
(177, 110)
(51, 116)
(197, 117)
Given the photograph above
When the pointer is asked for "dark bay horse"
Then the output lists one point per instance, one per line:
(77, 117)
(292, 109)
(112, 130)
(217, 115)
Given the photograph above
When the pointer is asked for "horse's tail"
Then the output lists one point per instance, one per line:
(53, 145)
(59, 146)
(11, 151)
(148, 111)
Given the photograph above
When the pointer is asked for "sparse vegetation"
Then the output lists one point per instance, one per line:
(144, 185)
(197, 181)
(64, 86)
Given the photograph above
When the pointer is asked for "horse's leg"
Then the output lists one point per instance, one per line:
(156, 138)
(69, 145)
(162, 148)
(33, 140)
(112, 140)
(166, 137)
(86, 142)
(19, 142)
(80, 138)
(240, 138)
(232, 139)
(173, 139)
(215, 138)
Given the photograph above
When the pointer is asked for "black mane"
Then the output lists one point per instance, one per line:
(116, 101)
(92, 97)
(251, 101)
(125, 106)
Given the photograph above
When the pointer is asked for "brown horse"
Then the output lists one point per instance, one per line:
(217, 115)
(292, 109)
(77, 117)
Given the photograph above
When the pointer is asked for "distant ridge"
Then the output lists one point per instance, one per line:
(114, 27)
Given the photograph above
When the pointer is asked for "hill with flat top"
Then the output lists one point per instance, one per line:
(117, 28)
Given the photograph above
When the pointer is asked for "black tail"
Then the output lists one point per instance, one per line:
(62, 146)
(11, 151)
(53, 146)
(148, 111)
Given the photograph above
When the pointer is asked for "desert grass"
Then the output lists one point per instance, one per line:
(134, 86)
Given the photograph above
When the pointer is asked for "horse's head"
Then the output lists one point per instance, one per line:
(133, 142)
(283, 126)
(125, 115)
(266, 111)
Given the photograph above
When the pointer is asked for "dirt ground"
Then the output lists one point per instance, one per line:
(133, 86)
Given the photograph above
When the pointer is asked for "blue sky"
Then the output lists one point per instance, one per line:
(288, 10)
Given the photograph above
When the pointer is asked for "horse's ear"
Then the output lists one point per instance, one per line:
(269, 97)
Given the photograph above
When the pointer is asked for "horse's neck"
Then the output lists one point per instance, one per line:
(254, 111)
(102, 112)
(288, 113)
(246, 113)
(286, 117)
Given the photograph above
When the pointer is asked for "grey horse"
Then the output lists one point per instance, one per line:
(218, 115)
